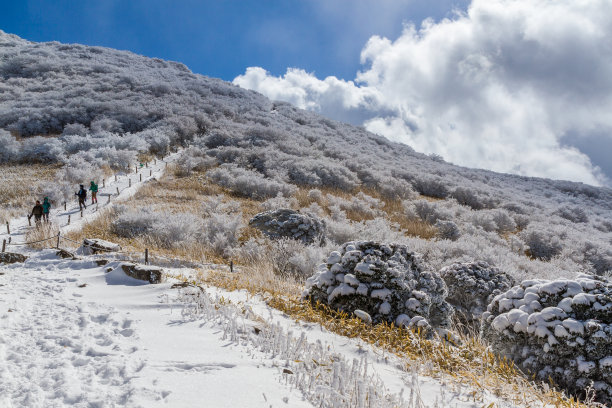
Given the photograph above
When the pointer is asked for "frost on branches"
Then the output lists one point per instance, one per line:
(559, 330)
(472, 286)
(285, 223)
(386, 281)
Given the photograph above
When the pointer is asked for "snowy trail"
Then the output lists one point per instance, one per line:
(126, 184)
(117, 342)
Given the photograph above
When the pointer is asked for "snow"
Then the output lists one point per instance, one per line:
(73, 334)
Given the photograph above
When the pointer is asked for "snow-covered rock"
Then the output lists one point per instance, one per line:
(11, 257)
(472, 286)
(386, 281)
(151, 274)
(286, 223)
(94, 246)
(559, 329)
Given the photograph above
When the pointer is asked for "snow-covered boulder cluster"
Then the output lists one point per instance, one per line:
(472, 286)
(387, 281)
(286, 223)
(559, 329)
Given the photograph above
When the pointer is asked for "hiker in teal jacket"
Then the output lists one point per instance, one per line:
(46, 205)
(93, 187)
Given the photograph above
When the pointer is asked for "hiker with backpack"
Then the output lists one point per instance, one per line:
(93, 187)
(82, 194)
(46, 205)
(37, 212)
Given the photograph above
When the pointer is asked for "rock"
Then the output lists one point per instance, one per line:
(11, 257)
(384, 281)
(101, 262)
(95, 246)
(559, 330)
(472, 286)
(62, 253)
(151, 274)
(286, 223)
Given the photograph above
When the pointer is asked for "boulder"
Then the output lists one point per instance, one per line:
(11, 257)
(558, 330)
(62, 253)
(95, 246)
(286, 223)
(101, 262)
(385, 281)
(151, 274)
(472, 286)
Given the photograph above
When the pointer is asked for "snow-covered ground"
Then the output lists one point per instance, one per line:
(73, 334)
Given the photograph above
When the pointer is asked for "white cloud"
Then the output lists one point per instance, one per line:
(498, 87)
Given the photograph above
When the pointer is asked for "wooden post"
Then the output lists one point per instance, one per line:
(8, 229)
(115, 177)
(146, 165)
(130, 182)
(166, 164)
(103, 183)
(232, 266)
(117, 190)
(68, 219)
(146, 256)
(81, 213)
(140, 176)
(108, 198)
(150, 173)
(58, 239)
(154, 161)
(136, 169)
(3, 245)
(29, 221)
(64, 206)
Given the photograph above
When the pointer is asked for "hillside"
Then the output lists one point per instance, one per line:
(85, 113)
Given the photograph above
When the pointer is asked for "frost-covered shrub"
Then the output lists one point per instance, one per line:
(447, 230)
(249, 183)
(559, 330)
(574, 214)
(221, 231)
(131, 224)
(426, 211)
(542, 244)
(286, 223)
(386, 281)
(279, 201)
(472, 286)
(315, 194)
(598, 257)
(10, 147)
(395, 189)
(521, 221)
(359, 203)
(79, 171)
(431, 187)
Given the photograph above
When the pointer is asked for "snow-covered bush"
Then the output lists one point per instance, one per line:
(465, 196)
(426, 211)
(559, 330)
(574, 214)
(431, 187)
(286, 223)
(249, 183)
(542, 244)
(10, 147)
(447, 230)
(360, 203)
(386, 281)
(472, 286)
(279, 201)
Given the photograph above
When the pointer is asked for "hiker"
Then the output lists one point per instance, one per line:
(82, 194)
(37, 212)
(46, 205)
(93, 187)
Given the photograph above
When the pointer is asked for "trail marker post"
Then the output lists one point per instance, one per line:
(29, 221)
(68, 219)
(232, 266)
(117, 190)
(64, 206)
(58, 239)
(146, 256)
(3, 245)
(150, 173)
(140, 176)
(115, 177)
(103, 183)
(129, 182)
(8, 228)
(109, 196)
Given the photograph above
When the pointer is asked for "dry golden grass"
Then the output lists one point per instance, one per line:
(20, 186)
(44, 231)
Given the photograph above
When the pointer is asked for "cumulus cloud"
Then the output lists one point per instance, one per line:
(498, 87)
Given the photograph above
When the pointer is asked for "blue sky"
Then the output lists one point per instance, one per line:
(223, 38)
